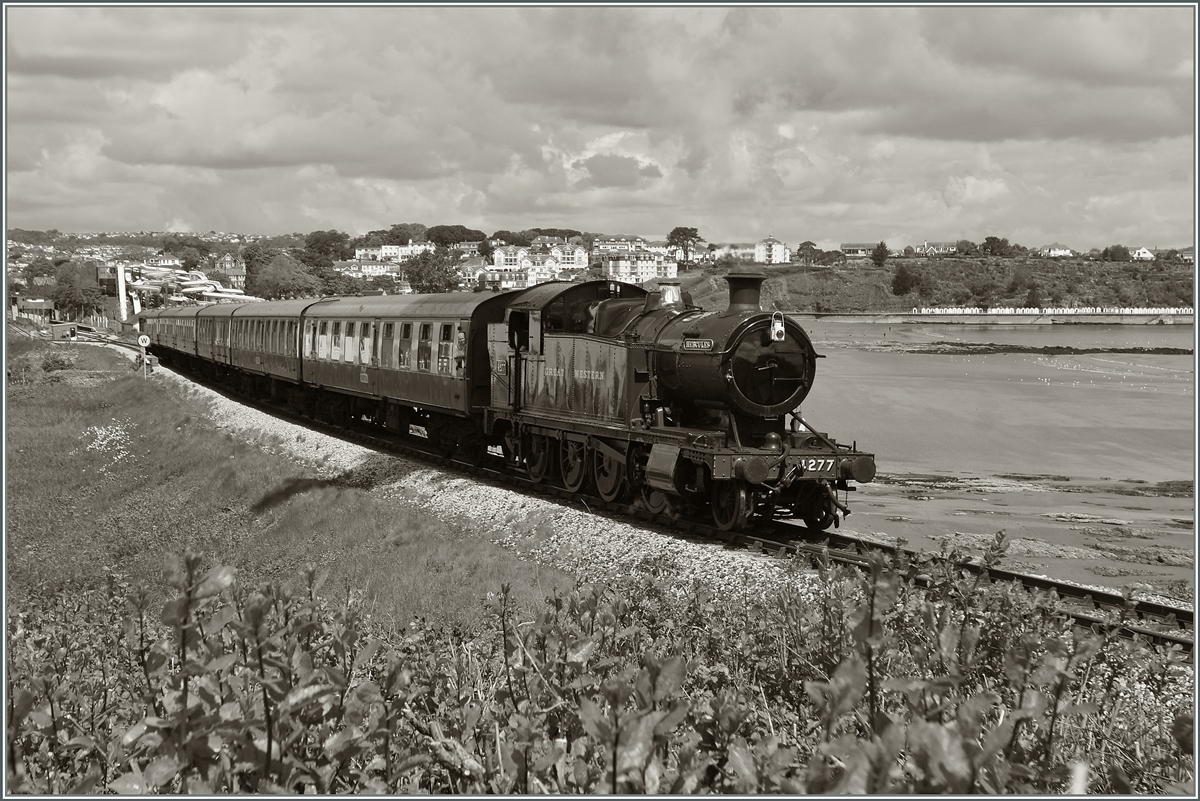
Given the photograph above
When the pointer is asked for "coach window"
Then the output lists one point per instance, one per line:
(310, 339)
(335, 350)
(385, 353)
(404, 355)
(323, 341)
(292, 327)
(366, 344)
(425, 347)
(445, 348)
(351, 342)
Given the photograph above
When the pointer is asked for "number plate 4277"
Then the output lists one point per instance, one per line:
(817, 465)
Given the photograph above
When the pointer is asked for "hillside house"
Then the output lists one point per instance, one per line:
(1057, 251)
(233, 267)
(857, 250)
(1141, 254)
(937, 249)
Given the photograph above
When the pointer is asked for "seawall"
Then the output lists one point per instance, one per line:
(900, 318)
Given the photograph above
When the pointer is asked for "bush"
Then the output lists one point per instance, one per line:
(57, 360)
(851, 683)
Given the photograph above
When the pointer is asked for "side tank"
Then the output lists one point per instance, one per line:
(760, 364)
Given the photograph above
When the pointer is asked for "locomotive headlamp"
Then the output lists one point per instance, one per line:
(777, 326)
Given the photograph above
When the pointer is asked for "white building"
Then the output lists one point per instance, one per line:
(606, 244)
(638, 266)
(394, 253)
(772, 251)
(1141, 254)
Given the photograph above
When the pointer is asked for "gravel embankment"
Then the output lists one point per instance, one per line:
(550, 532)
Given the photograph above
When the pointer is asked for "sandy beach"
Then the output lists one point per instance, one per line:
(1085, 459)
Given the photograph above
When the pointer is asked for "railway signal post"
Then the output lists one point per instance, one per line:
(144, 342)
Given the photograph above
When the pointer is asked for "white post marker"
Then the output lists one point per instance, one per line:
(144, 342)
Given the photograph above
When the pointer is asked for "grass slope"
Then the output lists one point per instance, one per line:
(109, 473)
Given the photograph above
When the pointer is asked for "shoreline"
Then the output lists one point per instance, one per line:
(900, 318)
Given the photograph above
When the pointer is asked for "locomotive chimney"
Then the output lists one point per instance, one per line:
(745, 292)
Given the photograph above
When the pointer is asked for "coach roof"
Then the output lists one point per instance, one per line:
(442, 305)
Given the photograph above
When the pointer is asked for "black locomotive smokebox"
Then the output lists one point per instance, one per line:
(745, 292)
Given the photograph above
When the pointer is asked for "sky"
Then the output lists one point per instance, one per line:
(1073, 125)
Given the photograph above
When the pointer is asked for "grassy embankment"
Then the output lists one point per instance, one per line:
(860, 286)
(108, 472)
(859, 684)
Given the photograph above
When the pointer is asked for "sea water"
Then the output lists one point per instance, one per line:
(1117, 416)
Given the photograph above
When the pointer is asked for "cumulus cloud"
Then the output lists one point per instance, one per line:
(808, 123)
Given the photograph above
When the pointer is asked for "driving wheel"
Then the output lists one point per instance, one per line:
(730, 501)
(659, 503)
(573, 461)
(609, 474)
(541, 457)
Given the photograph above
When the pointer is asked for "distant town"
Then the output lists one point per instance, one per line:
(55, 274)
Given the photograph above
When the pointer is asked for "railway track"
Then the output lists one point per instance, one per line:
(1156, 623)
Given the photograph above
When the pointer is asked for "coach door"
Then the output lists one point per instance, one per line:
(501, 355)
(368, 345)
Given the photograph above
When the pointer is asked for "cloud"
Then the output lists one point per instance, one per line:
(805, 122)
(609, 171)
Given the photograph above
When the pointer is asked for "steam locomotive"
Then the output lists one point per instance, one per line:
(599, 384)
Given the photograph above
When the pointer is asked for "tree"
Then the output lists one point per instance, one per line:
(684, 239)
(325, 247)
(256, 256)
(994, 246)
(283, 277)
(486, 249)
(447, 235)
(880, 254)
(38, 268)
(1033, 299)
(512, 238)
(404, 233)
(1115, 253)
(432, 272)
(904, 281)
(806, 252)
(74, 295)
(1021, 280)
(965, 247)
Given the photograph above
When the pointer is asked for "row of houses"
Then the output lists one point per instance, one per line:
(1053, 251)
